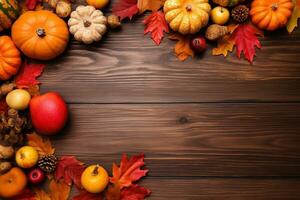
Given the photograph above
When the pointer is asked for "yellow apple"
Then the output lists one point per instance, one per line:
(27, 157)
(94, 179)
(220, 15)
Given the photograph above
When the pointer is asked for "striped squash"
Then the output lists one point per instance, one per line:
(9, 11)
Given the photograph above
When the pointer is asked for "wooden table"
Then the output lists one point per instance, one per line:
(210, 127)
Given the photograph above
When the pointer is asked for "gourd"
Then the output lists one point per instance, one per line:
(40, 34)
(187, 16)
(10, 58)
(228, 3)
(271, 14)
(87, 24)
(8, 13)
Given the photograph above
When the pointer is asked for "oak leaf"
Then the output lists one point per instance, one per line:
(293, 22)
(134, 192)
(156, 25)
(59, 190)
(70, 169)
(42, 145)
(28, 74)
(129, 171)
(152, 5)
(245, 37)
(84, 195)
(182, 47)
(125, 8)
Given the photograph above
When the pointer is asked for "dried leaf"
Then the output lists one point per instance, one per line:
(134, 192)
(41, 194)
(70, 169)
(152, 5)
(293, 23)
(125, 8)
(28, 74)
(156, 25)
(34, 90)
(84, 195)
(27, 194)
(225, 45)
(129, 171)
(182, 47)
(59, 190)
(245, 37)
(42, 145)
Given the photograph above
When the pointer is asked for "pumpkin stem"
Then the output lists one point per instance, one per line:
(188, 7)
(41, 32)
(274, 6)
(95, 171)
(87, 23)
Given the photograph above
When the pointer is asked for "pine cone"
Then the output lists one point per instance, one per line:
(240, 13)
(48, 163)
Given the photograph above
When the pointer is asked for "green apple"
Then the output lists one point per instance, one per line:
(220, 15)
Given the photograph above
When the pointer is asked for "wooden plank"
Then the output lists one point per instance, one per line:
(189, 139)
(126, 66)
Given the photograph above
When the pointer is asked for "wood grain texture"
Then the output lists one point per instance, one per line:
(127, 67)
(189, 140)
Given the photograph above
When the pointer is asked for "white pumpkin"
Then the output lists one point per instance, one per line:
(87, 24)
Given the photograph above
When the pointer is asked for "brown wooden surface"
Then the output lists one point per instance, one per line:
(211, 127)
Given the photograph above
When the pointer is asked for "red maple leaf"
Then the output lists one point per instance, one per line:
(134, 192)
(129, 171)
(31, 4)
(245, 37)
(28, 74)
(70, 169)
(156, 25)
(125, 8)
(27, 194)
(84, 195)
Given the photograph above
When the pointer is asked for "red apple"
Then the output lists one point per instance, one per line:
(36, 176)
(49, 113)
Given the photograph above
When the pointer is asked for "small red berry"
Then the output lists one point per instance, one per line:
(198, 44)
(36, 176)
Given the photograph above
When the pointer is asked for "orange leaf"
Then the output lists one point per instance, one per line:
(59, 190)
(152, 5)
(40, 194)
(182, 47)
(42, 145)
(225, 45)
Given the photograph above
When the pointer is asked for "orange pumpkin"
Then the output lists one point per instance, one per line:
(271, 14)
(12, 183)
(10, 58)
(40, 34)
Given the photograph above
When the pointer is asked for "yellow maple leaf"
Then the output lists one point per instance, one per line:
(293, 23)
(152, 5)
(59, 190)
(225, 45)
(182, 47)
(40, 194)
(42, 145)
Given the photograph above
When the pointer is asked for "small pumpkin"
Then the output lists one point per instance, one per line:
(187, 16)
(40, 34)
(87, 24)
(10, 58)
(98, 4)
(9, 12)
(228, 3)
(271, 14)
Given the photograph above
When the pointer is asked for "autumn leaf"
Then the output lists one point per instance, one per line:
(42, 145)
(156, 25)
(34, 90)
(27, 194)
(182, 47)
(41, 194)
(31, 4)
(70, 169)
(59, 190)
(28, 74)
(129, 170)
(293, 22)
(134, 192)
(113, 192)
(152, 5)
(245, 37)
(125, 8)
(84, 195)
